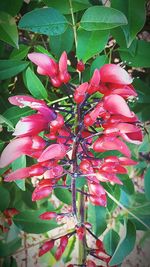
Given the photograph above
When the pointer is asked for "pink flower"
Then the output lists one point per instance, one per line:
(46, 65)
(111, 73)
(115, 104)
(106, 143)
(129, 132)
(98, 195)
(25, 173)
(39, 105)
(31, 125)
(21, 146)
(14, 150)
(54, 151)
(80, 93)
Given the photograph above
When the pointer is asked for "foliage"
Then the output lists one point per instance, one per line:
(93, 33)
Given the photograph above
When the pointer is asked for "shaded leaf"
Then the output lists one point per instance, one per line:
(136, 15)
(64, 6)
(147, 183)
(63, 195)
(125, 245)
(8, 248)
(111, 240)
(8, 29)
(15, 113)
(30, 222)
(97, 217)
(20, 53)
(141, 57)
(4, 198)
(18, 164)
(95, 42)
(10, 68)
(61, 43)
(10, 6)
(98, 63)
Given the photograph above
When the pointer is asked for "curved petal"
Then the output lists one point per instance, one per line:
(115, 104)
(112, 73)
(54, 151)
(14, 150)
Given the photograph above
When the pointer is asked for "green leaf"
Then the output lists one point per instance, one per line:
(9, 262)
(63, 195)
(8, 248)
(8, 29)
(125, 245)
(102, 18)
(16, 113)
(147, 183)
(97, 217)
(20, 53)
(63, 42)
(135, 12)
(141, 57)
(111, 240)
(44, 21)
(18, 164)
(98, 63)
(34, 85)
(95, 42)
(10, 68)
(4, 198)
(10, 6)
(7, 122)
(30, 222)
(64, 6)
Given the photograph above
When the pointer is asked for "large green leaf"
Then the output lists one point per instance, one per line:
(63, 195)
(34, 85)
(8, 29)
(8, 248)
(111, 240)
(47, 21)
(64, 7)
(63, 42)
(30, 222)
(147, 183)
(102, 18)
(4, 198)
(136, 15)
(18, 164)
(95, 42)
(125, 245)
(15, 113)
(10, 6)
(97, 217)
(141, 57)
(9, 262)
(10, 68)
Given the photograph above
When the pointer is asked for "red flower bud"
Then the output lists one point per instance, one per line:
(47, 246)
(60, 250)
(80, 93)
(48, 215)
(80, 230)
(80, 66)
(90, 263)
(54, 151)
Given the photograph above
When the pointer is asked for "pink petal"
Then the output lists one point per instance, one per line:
(14, 150)
(54, 151)
(115, 104)
(41, 193)
(112, 73)
(103, 144)
(46, 63)
(39, 105)
(63, 63)
(18, 174)
(127, 161)
(31, 125)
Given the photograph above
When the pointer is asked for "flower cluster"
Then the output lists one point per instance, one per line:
(100, 121)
